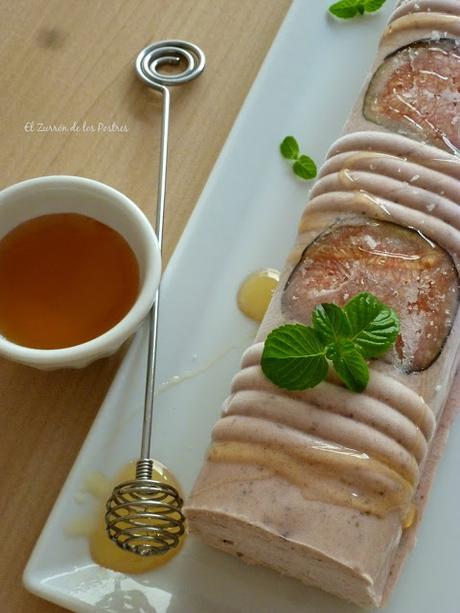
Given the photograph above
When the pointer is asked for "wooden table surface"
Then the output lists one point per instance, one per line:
(66, 62)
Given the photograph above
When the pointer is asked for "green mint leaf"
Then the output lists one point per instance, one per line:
(345, 9)
(350, 365)
(374, 326)
(330, 323)
(373, 5)
(305, 168)
(294, 357)
(289, 148)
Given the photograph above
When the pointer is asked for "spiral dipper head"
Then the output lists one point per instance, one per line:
(144, 516)
(150, 60)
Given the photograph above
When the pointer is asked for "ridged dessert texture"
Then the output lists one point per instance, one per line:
(327, 485)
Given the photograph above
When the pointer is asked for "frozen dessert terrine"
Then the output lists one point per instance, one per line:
(325, 484)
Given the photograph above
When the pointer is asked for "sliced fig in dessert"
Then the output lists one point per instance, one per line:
(416, 92)
(402, 267)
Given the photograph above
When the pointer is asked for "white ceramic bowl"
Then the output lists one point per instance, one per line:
(67, 194)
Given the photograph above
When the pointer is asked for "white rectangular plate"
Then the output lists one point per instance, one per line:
(246, 219)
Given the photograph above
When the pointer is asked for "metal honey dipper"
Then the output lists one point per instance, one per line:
(144, 516)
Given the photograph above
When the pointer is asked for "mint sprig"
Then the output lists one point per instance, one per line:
(347, 9)
(304, 167)
(297, 357)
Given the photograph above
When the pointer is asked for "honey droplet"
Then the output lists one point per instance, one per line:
(256, 291)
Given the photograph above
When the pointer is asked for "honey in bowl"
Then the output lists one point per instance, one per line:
(65, 279)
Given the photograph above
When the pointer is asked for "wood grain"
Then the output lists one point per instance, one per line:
(71, 62)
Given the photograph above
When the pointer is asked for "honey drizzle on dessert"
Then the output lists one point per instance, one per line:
(362, 197)
(432, 163)
(346, 179)
(104, 551)
(327, 473)
(420, 20)
(312, 221)
(410, 517)
(351, 160)
(359, 198)
(345, 176)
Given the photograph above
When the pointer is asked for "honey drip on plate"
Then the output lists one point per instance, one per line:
(256, 291)
(104, 551)
(328, 473)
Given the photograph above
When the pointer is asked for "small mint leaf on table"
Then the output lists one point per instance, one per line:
(360, 8)
(345, 9)
(374, 326)
(371, 6)
(290, 148)
(349, 364)
(330, 323)
(305, 168)
(294, 357)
